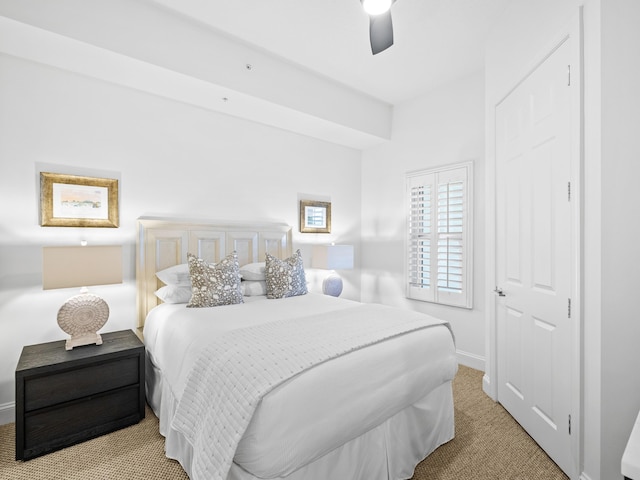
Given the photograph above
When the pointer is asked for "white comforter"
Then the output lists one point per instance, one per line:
(330, 404)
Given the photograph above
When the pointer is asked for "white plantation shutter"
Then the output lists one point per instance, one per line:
(420, 206)
(439, 235)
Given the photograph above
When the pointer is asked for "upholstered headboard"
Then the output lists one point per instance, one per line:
(162, 243)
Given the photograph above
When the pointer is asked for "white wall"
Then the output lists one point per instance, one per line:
(171, 158)
(592, 247)
(620, 227)
(442, 127)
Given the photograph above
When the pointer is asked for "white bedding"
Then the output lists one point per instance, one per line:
(330, 405)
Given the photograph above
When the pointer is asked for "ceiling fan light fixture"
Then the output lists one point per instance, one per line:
(376, 7)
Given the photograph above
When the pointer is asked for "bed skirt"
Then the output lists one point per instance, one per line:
(389, 451)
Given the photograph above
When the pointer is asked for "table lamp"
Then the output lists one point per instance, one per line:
(65, 267)
(332, 257)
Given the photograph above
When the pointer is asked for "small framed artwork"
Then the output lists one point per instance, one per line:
(74, 201)
(315, 217)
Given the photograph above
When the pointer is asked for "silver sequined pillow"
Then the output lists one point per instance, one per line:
(285, 278)
(213, 285)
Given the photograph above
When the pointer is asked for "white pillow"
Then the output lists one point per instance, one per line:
(252, 288)
(253, 271)
(177, 275)
(174, 294)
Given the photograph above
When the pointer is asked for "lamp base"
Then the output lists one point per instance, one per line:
(86, 339)
(81, 317)
(332, 285)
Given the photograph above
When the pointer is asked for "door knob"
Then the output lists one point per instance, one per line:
(499, 292)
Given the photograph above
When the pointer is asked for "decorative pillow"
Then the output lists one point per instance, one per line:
(176, 275)
(213, 285)
(174, 294)
(253, 287)
(253, 271)
(285, 278)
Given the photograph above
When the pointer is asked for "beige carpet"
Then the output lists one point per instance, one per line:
(488, 445)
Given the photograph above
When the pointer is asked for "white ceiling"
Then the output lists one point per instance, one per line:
(435, 40)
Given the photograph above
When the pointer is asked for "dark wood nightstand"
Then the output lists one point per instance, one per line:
(65, 397)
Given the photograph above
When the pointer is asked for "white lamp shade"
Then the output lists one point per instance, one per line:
(332, 257)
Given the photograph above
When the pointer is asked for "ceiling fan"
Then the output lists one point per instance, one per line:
(380, 26)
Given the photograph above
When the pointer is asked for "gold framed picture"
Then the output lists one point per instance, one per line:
(315, 217)
(75, 201)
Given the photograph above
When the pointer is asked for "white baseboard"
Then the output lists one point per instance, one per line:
(470, 360)
(7, 413)
(584, 476)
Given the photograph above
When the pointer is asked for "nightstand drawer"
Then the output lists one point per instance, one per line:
(76, 383)
(51, 428)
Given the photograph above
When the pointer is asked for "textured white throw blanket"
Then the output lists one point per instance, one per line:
(234, 372)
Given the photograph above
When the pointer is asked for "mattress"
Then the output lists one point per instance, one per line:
(304, 419)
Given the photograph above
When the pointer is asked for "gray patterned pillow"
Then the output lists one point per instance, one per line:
(217, 284)
(285, 278)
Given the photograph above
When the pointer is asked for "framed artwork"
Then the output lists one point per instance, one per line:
(315, 217)
(74, 201)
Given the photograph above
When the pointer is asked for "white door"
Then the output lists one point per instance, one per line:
(533, 255)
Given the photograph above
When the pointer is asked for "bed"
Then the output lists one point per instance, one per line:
(333, 388)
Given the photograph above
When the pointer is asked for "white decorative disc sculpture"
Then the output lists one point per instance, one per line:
(81, 317)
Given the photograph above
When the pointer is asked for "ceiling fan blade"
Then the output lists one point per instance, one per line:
(380, 32)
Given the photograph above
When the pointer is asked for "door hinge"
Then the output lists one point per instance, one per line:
(569, 424)
(568, 75)
(569, 308)
(569, 190)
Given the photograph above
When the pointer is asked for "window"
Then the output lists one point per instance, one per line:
(439, 225)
